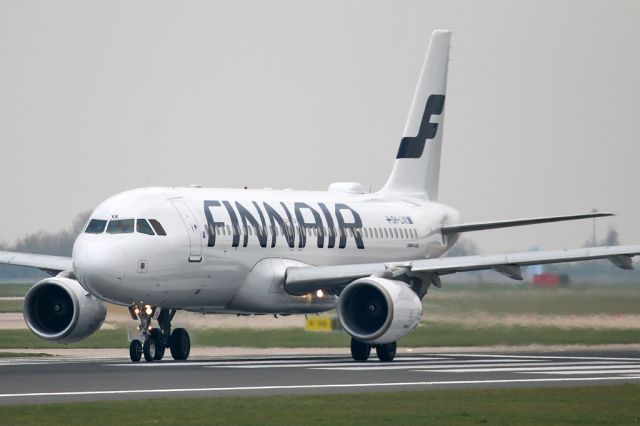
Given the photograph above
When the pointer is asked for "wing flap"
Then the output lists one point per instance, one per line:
(49, 264)
(302, 280)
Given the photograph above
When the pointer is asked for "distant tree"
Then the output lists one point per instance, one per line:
(54, 243)
(612, 238)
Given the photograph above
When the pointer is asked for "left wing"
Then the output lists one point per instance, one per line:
(49, 264)
(303, 280)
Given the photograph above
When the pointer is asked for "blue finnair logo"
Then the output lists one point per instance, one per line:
(412, 147)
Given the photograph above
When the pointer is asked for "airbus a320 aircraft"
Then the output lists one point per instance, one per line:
(371, 256)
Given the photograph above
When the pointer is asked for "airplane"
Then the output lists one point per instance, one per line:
(372, 256)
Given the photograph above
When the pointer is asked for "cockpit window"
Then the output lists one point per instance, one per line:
(120, 226)
(157, 227)
(96, 226)
(143, 227)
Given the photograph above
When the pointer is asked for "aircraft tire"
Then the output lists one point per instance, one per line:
(156, 334)
(386, 352)
(180, 344)
(149, 349)
(359, 350)
(135, 350)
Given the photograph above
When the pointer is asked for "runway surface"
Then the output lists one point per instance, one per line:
(63, 380)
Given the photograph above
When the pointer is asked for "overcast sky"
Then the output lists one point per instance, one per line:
(541, 114)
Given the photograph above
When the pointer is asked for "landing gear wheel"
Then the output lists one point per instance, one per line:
(149, 349)
(180, 344)
(386, 352)
(359, 350)
(158, 337)
(135, 350)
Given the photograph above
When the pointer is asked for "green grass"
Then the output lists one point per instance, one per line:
(434, 336)
(506, 299)
(10, 305)
(598, 405)
(14, 290)
(22, 355)
(24, 339)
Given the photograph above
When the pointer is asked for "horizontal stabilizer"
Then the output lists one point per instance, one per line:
(479, 226)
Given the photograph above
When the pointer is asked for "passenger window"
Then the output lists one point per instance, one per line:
(395, 232)
(228, 229)
(366, 233)
(385, 233)
(375, 231)
(143, 227)
(406, 235)
(120, 226)
(157, 227)
(96, 226)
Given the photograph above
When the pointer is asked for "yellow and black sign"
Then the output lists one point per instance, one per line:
(326, 323)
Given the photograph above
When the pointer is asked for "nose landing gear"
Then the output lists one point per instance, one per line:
(153, 341)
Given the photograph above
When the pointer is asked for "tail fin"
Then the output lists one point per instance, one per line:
(416, 170)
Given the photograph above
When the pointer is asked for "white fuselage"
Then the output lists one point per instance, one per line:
(216, 237)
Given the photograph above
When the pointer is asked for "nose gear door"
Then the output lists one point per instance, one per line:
(193, 230)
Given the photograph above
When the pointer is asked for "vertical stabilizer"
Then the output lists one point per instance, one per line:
(417, 167)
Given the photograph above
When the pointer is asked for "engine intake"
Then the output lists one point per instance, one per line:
(378, 310)
(60, 310)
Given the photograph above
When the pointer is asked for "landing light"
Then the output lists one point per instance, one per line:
(137, 311)
(148, 310)
(320, 293)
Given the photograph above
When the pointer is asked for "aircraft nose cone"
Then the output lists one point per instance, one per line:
(98, 265)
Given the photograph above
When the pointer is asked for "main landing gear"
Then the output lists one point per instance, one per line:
(360, 351)
(154, 340)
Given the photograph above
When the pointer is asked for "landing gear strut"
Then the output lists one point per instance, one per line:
(153, 341)
(360, 351)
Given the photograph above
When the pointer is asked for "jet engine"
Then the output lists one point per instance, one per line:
(60, 310)
(378, 310)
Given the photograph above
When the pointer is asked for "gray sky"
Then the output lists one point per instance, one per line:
(100, 97)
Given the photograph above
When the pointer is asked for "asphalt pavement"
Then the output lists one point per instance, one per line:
(44, 380)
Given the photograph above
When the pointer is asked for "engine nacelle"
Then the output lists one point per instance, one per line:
(60, 310)
(378, 310)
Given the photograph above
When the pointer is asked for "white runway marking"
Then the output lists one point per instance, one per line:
(542, 367)
(317, 386)
(633, 371)
(629, 359)
(490, 365)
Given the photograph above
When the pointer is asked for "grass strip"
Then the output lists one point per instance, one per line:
(14, 290)
(596, 405)
(10, 306)
(22, 355)
(535, 302)
(431, 336)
